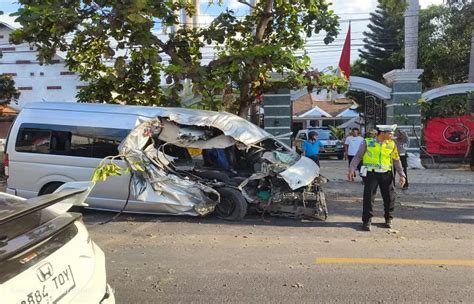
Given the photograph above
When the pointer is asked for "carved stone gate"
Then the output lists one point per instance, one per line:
(374, 112)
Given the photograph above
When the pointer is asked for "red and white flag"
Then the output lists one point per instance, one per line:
(345, 61)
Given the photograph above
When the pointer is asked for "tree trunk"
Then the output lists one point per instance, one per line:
(263, 23)
(245, 100)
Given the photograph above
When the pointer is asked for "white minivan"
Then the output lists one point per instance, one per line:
(239, 164)
(51, 143)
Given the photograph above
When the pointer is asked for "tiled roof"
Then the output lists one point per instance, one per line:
(5, 110)
(305, 103)
(315, 112)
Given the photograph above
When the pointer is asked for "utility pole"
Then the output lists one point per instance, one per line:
(411, 34)
(190, 22)
(197, 8)
(254, 107)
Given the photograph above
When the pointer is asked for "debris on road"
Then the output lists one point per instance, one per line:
(297, 285)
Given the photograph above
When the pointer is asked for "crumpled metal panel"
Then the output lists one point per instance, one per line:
(174, 194)
(189, 138)
(163, 189)
(230, 124)
(135, 141)
(180, 196)
(301, 174)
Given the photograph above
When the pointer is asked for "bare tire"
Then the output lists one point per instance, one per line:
(49, 188)
(324, 207)
(232, 206)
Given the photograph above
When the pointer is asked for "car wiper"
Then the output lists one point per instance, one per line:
(37, 203)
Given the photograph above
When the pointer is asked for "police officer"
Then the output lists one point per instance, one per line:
(379, 155)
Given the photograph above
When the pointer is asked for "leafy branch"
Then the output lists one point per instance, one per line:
(107, 167)
(114, 47)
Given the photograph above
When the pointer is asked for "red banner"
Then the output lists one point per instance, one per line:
(345, 60)
(449, 136)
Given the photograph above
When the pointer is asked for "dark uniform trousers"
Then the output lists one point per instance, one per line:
(315, 158)
(404, 161)
(385, 182)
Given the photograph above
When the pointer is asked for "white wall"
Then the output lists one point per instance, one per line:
(39, 83)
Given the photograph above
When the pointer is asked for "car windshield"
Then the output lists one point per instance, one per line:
(325, 135)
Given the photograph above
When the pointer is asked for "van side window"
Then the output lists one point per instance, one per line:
(69, 140)
(106, 141)
(82, 145)
(33, 140)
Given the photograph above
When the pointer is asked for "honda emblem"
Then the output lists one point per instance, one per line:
(44, 272)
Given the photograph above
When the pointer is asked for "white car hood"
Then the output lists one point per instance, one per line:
(301, 174)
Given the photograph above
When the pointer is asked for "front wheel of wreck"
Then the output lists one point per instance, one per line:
(323, 207)
(232, 206)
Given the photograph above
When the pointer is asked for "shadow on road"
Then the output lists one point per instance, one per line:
(344, 213)
(418, 208)
(94, 217)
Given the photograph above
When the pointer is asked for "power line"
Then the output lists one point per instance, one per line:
(308, 40)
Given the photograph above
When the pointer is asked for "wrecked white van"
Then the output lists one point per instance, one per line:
(237, 166)
(196, 162)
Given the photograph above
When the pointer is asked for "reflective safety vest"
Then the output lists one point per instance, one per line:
(378, 156)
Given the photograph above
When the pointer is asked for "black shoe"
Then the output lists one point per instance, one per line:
(388, 223)
(366, 226)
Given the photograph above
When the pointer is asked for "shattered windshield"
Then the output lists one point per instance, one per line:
(281, 152)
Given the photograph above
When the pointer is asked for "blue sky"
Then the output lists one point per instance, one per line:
(321, 55)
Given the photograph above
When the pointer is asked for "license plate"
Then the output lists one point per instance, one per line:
(329, 150)
(55, 284)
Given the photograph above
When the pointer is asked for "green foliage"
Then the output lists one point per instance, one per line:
(103, 172)
(383, 43)
(446, 106)
(113, 46)
(8, 91)
(328, 81)
(339, 133)
(108, 168)
(445, 37)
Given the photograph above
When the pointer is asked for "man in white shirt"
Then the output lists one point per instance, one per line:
(352, 144)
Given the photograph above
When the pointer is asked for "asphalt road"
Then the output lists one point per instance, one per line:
(428, 257)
